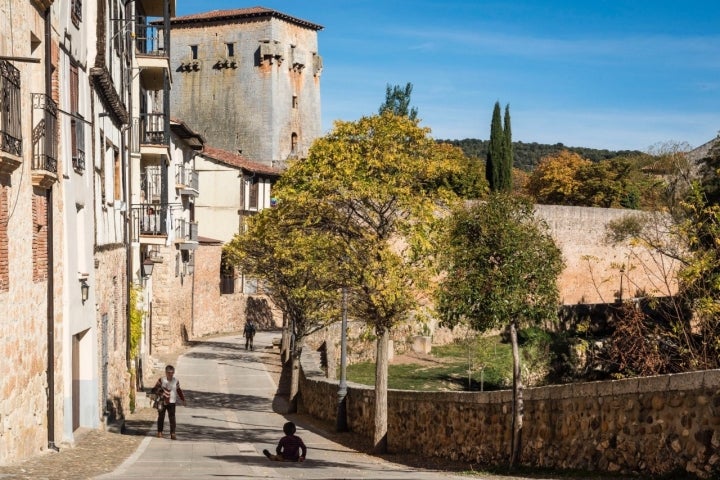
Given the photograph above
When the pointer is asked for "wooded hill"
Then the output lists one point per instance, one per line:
(528, 155)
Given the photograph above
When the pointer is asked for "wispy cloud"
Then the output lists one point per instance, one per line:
(700, 48)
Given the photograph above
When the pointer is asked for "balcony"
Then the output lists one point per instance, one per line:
(45, 141)
(186, 234)
(151, 223)
(187, 181)
(152, 133)
(152, 51)
(151, 184)
(10, 115)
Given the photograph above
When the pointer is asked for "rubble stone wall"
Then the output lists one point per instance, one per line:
(648, 426)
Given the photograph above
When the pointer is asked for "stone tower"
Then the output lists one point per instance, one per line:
(248, 80)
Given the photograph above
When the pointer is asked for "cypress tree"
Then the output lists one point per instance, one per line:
(494, 160)
(507, 153)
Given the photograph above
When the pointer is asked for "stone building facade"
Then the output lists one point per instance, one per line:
(249, 81)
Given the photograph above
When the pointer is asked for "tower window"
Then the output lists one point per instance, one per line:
(194, 51)
(230, 49)
(294, 101)
(293, 143)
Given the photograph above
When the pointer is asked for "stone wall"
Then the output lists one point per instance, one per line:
(244, 102)
(592, 271)
(648, 426)
(215, 312)
(172, 302)
(111, 298)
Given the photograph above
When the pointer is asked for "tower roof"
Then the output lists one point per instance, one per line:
(241, 13)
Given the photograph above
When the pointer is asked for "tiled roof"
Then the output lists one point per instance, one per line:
(220, 15)
(236, 160)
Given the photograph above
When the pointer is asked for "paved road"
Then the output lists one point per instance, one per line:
(229, 420)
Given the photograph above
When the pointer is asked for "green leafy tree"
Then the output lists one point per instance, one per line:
(501, 269)
(397, 101)
(297, 261)
(379, 182)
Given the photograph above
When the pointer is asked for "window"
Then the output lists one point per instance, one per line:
(230, 49)
(293, 143)
(76, 12)
(77, 125)
(10, 126)
(253, 194)
(117, 175)
(194, 51)
(294, 101)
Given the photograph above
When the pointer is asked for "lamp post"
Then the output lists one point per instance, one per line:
(341, 424)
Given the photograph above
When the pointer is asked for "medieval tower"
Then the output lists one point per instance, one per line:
(248, 80)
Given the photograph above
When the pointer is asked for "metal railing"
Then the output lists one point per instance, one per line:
(44, 136)
(151, 184)
(186, 231)
(187, 177)
(10, 112)
(150, 220)
(154, 129)
(152, 36)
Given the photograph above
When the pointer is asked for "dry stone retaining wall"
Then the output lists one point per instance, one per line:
(655, 425)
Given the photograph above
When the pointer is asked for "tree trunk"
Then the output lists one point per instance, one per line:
(518, 406)
(295, 377)
(381, 387)
(285, 340)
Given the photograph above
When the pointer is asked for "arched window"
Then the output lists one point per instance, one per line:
(293, 144)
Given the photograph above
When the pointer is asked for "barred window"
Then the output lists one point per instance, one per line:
(76, 12)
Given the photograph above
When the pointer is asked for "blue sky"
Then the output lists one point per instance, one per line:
(616, 74)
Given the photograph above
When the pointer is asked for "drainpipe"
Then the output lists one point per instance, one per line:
(50, 259)
(127, 191)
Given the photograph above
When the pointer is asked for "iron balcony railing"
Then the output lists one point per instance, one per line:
(186, 231)
(162, 220)
(10, 114)
(151, 184)
(44, 137)
(152, 129)
(152, 35)
(187, 178)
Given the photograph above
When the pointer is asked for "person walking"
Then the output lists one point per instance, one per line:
(168, 391)
(249, 333)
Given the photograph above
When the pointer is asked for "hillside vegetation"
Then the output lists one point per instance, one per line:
(528, 155)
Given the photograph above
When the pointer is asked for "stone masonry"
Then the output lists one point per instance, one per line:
(647, 426)
(248, 80)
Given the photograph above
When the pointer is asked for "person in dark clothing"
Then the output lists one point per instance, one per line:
(289, 447)
(249, 333)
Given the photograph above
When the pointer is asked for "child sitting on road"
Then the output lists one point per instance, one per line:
(289, 446)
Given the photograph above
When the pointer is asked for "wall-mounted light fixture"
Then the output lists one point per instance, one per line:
(147, 267)
(84, 290)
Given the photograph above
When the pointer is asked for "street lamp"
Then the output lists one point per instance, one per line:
(84, 290)
(147, 267)
(341, 424)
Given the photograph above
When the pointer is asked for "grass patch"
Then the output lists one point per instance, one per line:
(481, 363)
